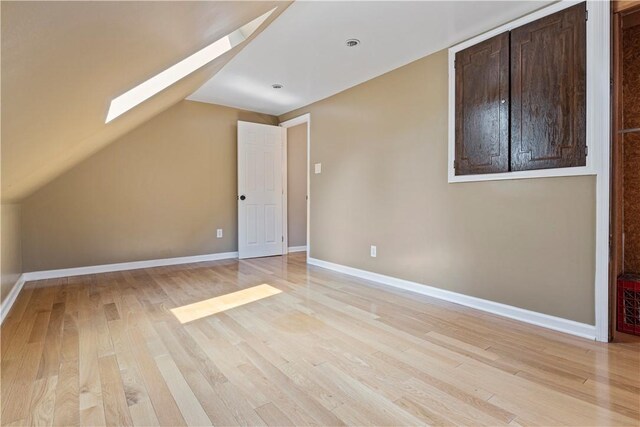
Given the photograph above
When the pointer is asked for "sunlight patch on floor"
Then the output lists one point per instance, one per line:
(200, 309)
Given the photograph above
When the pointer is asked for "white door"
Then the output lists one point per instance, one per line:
(260, 198)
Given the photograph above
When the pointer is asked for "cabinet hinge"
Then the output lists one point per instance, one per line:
(454, 64)
(586, 151)
(586, 15)
(455, 164)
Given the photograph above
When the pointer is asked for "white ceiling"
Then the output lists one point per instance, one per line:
(304, 48)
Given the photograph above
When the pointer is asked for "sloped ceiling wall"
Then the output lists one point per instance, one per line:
(63, 62)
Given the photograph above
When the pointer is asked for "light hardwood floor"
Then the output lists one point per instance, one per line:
(309, 346)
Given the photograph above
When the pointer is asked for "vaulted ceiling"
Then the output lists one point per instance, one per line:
(305, 49)
(63, 62)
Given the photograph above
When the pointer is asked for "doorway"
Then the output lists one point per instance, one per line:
(298, 188)
(274, 188)
(625, 177)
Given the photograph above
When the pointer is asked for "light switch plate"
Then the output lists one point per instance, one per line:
(219, 233)
(374, 251)
(318, 167)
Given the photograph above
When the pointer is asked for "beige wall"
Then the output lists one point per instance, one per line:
(383, 148)
(160, 191)
(163, 189)
(297, 185)
(11, 267)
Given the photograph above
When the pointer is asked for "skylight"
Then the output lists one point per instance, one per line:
(166, 78)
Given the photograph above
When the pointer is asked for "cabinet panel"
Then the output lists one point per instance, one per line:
(482, 107)
(548, 91)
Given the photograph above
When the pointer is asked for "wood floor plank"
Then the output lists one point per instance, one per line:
(90, 398)
(39, 327)
(15, 402)
(463, 394)
(165, 406)
(42, 404)
(116, 410)
(273, 416)
(424, 413)
(50, 361)
(364, 400)
(326, 349)
(295, 394)
(279, 398)
(143, 414)
(194, 377)
(67, 404)
(228, 360)
(190, 407)
(14, 324)
(298, 373)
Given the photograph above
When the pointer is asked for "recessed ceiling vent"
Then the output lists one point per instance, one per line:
(352, 42)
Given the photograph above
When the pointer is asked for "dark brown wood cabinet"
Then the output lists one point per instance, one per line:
(548, 92)
(482, 107)
(520, 99)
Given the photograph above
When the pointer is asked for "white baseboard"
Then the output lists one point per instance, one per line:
(8, 302)
(551, 322)
(107, 268)
(297, 248)
(539, 319)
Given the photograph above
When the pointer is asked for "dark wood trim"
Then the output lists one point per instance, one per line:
(620, 21)
(630, 18)
(615, 229)
(625, 5)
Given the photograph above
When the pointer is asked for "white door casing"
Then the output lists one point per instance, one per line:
(260, 192)
(304, 118)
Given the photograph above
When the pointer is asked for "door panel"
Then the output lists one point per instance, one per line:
(252, 224)
(260, 201)
(270, 216)
(548, 91)
(482, 107)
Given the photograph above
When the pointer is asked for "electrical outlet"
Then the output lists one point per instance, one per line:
(219, 233)
(374, 251)
(318, 168)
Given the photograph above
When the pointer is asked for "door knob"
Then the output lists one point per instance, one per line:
(243, 197)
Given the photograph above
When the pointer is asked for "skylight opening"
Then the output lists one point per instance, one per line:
(166, 78)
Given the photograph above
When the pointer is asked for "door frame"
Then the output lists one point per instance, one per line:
(304, 118)
(616, 266)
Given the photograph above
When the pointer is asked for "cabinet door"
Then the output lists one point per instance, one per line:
(482, 107)
(548, 85)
